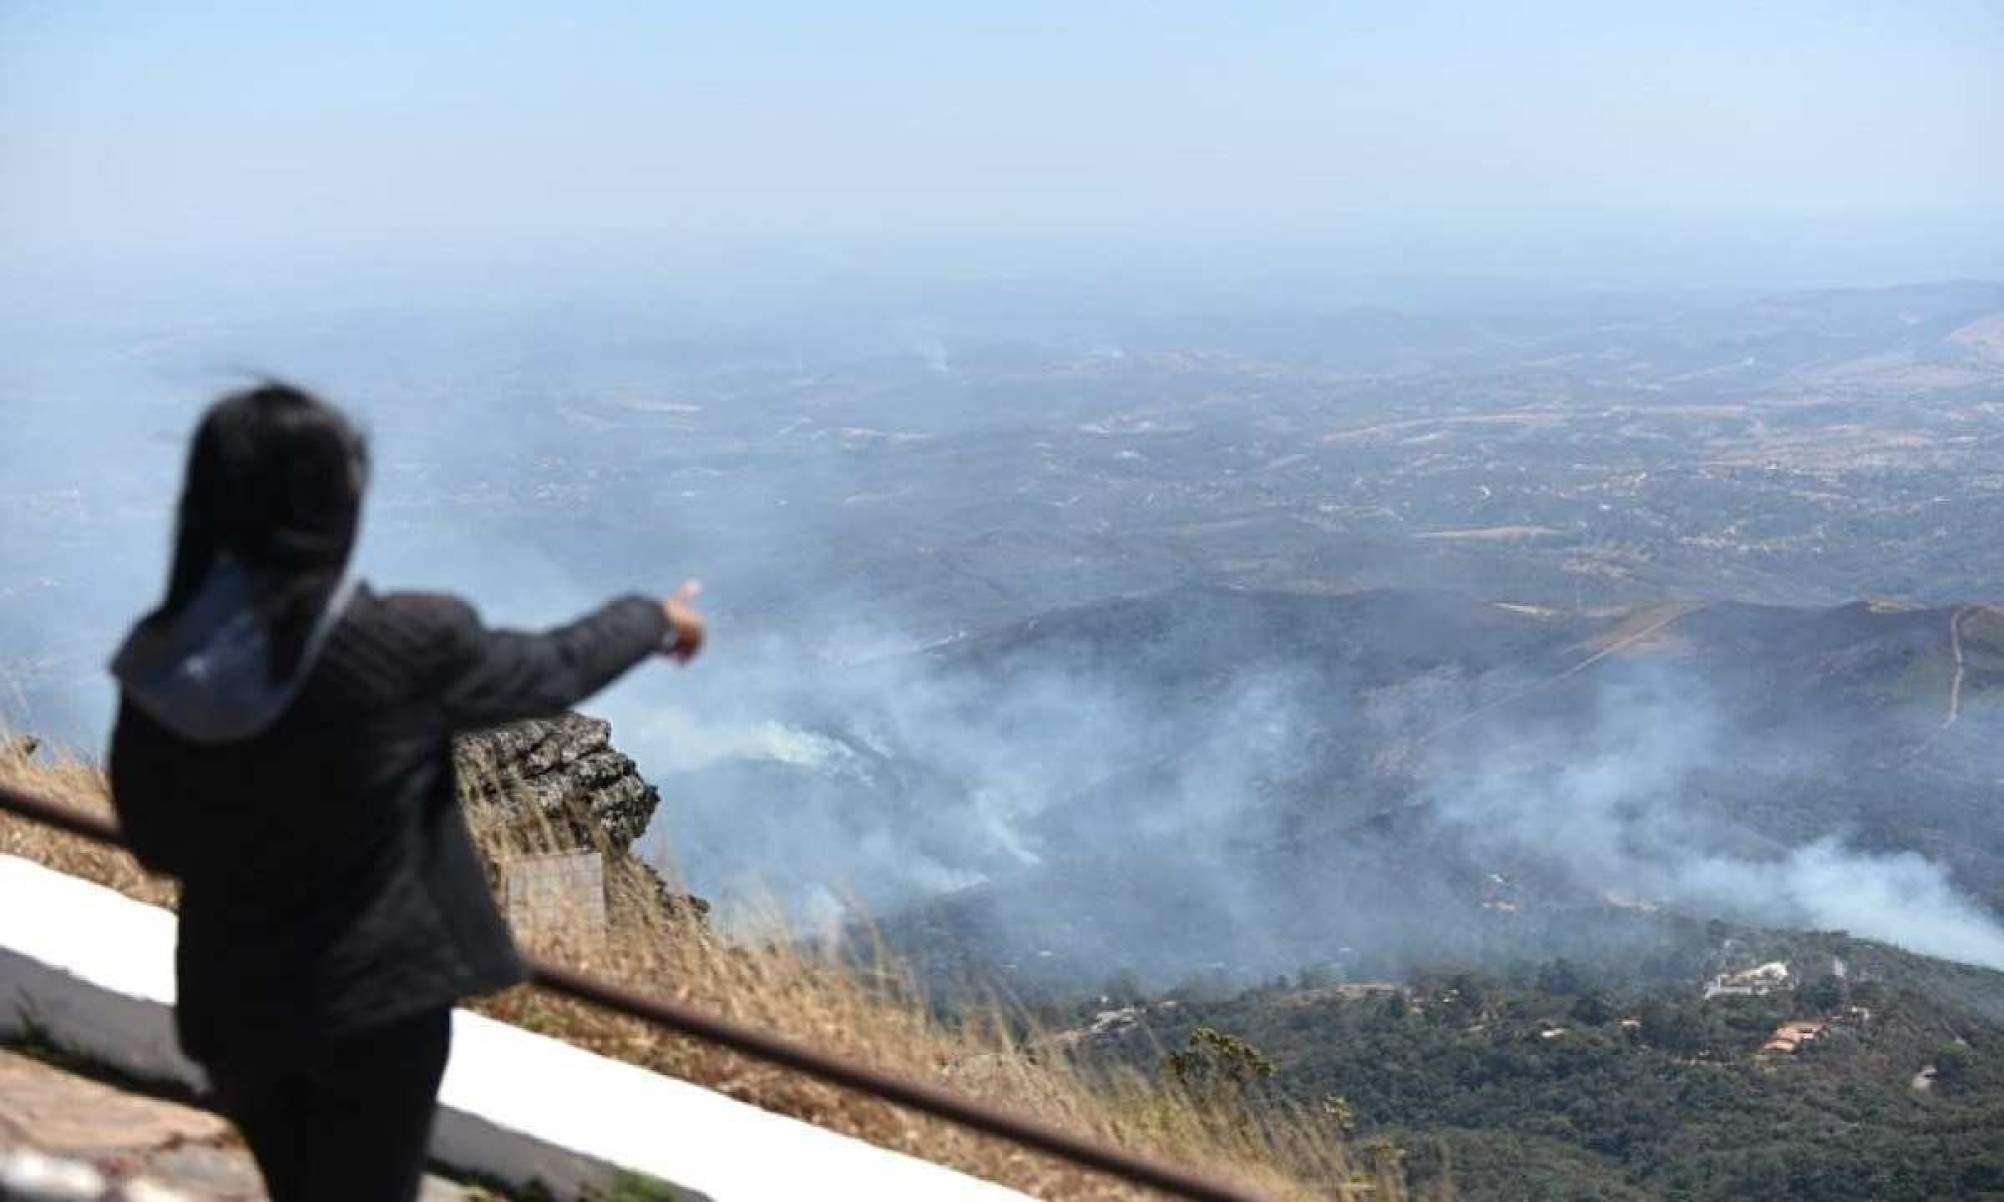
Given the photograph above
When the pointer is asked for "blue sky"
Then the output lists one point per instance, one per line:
(1557, 127)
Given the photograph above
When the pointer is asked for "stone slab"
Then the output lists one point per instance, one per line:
(557, 894)
(131, 1137)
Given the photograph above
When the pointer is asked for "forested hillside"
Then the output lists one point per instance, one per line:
(1850, 1075)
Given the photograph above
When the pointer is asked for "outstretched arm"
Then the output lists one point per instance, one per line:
(494, 676)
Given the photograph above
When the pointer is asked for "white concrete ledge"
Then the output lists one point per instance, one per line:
(94, 971)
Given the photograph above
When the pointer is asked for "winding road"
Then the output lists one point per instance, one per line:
(1955, 683)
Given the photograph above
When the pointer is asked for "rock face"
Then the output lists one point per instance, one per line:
(554, 784)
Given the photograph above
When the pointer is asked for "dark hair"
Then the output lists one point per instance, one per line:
(275, 479)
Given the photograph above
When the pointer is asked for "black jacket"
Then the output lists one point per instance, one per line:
(328, 880)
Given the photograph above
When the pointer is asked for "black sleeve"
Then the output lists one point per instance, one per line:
(145, 793)
(494, 676)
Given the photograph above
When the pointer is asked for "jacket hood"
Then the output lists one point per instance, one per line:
(205, 675)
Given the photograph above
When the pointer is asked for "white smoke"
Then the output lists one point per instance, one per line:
(1901, 898)
(1612, 805)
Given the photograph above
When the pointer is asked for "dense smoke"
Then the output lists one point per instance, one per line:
(1611, 802)
(849, 788)
(1124, 798)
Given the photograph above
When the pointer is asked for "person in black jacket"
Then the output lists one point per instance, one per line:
(283, 748)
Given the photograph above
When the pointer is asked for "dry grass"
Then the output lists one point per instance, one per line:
(872, 1014)
(80, 784)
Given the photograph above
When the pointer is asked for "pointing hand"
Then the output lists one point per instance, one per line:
(685, 625)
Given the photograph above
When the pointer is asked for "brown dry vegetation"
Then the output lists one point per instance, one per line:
(872, 1014)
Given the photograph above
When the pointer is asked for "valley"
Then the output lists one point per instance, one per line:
(1298, 680)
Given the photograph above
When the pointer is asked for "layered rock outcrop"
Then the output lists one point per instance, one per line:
(553, 784)
(548, 786)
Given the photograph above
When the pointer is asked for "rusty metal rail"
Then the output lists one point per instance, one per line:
(774, 1049)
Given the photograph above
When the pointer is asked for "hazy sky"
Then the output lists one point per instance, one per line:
(1572, 128)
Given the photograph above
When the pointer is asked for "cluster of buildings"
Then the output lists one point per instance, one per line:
(1790, 1038)
(1764, 979)
(1753, 982)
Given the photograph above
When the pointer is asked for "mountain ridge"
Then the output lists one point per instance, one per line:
(1773, 735)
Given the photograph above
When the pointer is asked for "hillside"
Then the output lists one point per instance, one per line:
(1396, 778)
(657, 944)
(1566, 1081)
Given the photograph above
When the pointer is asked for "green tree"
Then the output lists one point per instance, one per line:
(1561, 977)
(1464, 999)
(1672, 1028)
(1824, 994)
(1985, 1173)
(1952, 1064)
(1214, 1062)
(1591, 1010)
(1340, 1114)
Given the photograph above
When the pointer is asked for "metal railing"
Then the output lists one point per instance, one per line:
(775, 1049)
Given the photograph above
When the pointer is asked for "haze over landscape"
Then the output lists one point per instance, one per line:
(1345, 494)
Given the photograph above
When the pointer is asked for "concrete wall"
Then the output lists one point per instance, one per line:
(93, 970)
